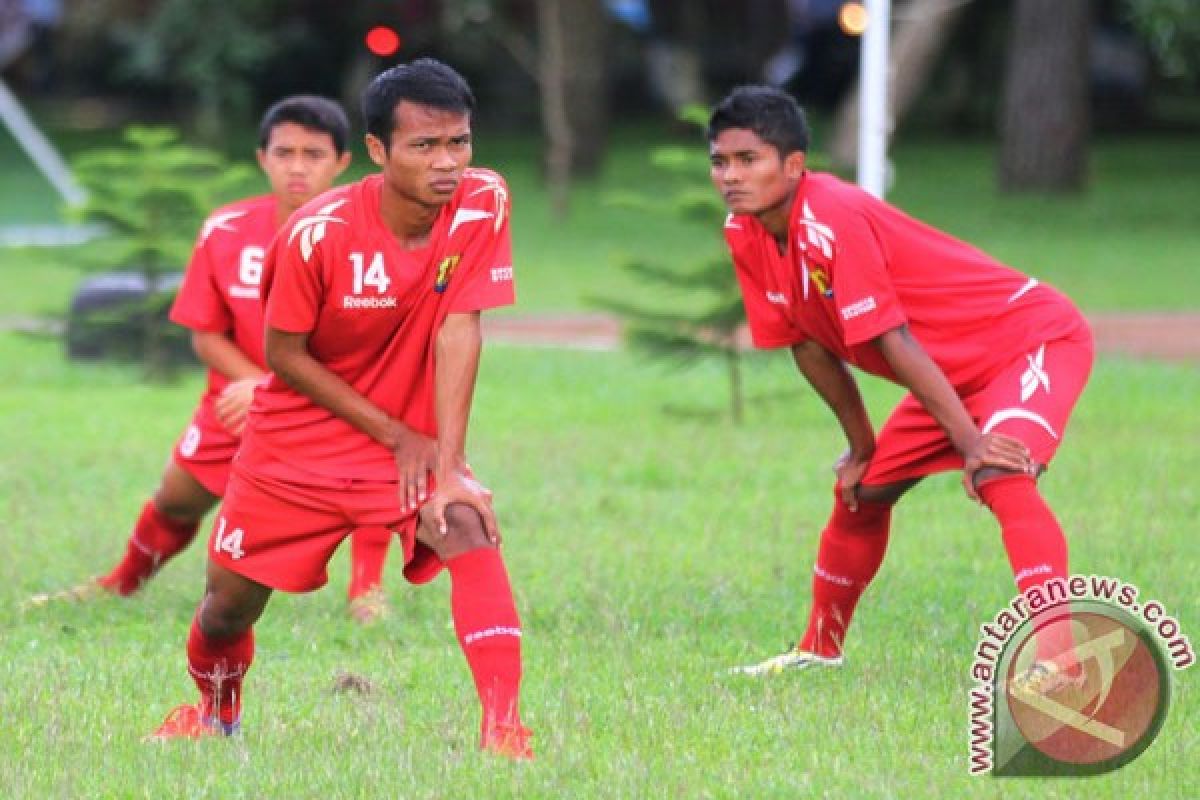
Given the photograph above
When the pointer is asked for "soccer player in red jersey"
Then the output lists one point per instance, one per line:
(374, 293)
(994, 361)
(301, 149)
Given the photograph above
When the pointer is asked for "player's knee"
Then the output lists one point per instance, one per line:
(990, 474)
(886, 494)
(464, 528)
(464, 532)
(221, 617)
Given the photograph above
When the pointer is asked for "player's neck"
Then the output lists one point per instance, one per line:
(409, 221)
(775, 219)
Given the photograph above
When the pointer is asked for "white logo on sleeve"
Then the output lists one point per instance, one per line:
(219, 222)
(858, 308)
(464, 215)
(492, 183)
(502, 274)
(819, 234)
(777, 298)
(312, 229)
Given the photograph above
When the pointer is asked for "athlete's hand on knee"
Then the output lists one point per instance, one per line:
(995, 450)
(416, 458)
(233, 403)
(458, 487)
(850, 469)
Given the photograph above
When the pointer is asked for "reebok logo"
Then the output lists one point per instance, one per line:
(502, 274)
(355, 301)
(777, 298)
(499, 630)
(858, 308)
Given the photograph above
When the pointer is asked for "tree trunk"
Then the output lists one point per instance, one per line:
(1045, 122)
(584, 36)
(552, 82)
(917, 38)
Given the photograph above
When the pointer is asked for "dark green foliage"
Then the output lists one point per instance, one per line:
(150, 195)
(707, 325)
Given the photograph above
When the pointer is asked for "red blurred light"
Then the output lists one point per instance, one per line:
(382, 40)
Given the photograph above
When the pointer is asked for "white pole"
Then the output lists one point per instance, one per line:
(872, 99)
(39, 148)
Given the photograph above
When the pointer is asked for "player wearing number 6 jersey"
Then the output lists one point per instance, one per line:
(302, 150)
(374, 293)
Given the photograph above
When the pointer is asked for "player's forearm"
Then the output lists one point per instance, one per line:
(925, 379)
(219, 353)
(458, 347)
(288, 357)
(831, 379)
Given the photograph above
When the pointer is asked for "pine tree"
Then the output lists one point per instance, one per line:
(150, 196)
(709, 328)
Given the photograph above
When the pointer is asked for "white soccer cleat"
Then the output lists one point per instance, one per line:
(794, 659)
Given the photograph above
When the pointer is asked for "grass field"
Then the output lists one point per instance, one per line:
(650, 550)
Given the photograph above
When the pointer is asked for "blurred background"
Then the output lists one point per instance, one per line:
(1090, 105)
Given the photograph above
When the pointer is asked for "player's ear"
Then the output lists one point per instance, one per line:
(261, 155)
(343, 162)
(376, 150)
(793, 165)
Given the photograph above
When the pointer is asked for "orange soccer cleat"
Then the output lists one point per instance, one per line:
(191, 722)
(509, 741)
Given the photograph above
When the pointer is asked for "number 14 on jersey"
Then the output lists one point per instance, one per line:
(373, 274)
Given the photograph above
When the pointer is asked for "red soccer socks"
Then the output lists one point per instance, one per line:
(1037, 552)
(485, 620)
(368, 550)
(851, 550)
(218, 667)
(155, 539)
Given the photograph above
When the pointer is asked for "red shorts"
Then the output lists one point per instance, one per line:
(206, 450)
(282, 534)
(1030, 400)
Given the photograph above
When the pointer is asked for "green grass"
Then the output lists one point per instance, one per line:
(649, 551)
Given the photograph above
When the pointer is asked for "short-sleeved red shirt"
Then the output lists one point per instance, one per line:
(220, 290)
(372, 310)
(855, 267)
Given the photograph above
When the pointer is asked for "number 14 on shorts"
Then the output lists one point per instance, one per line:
(228, 542)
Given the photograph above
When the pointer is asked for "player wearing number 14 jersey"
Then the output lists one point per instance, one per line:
(373, 298)
(302, 149)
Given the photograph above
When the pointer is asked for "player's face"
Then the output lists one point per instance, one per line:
(750, 174)
(430, 148)
(300, 163)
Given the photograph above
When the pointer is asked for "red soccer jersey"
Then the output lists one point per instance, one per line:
(220, 290)
(372, 310)
(855, 267)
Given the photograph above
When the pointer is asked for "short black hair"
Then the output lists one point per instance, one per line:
(426, 82)
(309, 111)
(771, 113)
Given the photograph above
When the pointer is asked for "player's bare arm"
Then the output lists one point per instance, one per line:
(288, 356)
(920, 375)
(833, 382)
(218, 351)
(458, 347)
